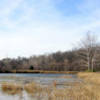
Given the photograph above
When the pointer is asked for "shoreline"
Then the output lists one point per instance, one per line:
(40, 72)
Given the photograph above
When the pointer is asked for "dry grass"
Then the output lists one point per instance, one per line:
(81, 92)
(43, 71)
(88, 90)
(33, 88)
(11, 88)
(66, 76)
(90, 77)
(92, 82)
(76, 93)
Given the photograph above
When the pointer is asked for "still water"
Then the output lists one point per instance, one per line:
(43, 79)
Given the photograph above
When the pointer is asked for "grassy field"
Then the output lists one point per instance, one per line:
(90, 77)
(92, 82)
(89, 89)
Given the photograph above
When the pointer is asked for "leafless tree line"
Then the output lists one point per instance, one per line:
(85, 57)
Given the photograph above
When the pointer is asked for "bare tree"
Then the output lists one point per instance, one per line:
(88, 52)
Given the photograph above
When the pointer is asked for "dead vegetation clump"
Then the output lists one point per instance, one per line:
(11, 88)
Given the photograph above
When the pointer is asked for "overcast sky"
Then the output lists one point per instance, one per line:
(29, 27)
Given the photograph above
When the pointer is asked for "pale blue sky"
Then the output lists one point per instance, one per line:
(29, 27)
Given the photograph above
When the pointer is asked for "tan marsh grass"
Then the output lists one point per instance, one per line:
(11, 88)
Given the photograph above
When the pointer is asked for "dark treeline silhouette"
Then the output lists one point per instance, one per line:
(86, 56)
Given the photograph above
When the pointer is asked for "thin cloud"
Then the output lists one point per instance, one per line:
(30, 27)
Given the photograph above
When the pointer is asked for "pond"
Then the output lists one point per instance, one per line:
(62, 81)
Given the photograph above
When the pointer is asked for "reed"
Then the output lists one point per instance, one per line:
(90, 77)
(32, 88)
(87, 90)
(11, 88)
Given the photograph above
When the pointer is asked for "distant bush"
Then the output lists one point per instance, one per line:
(90, 70)
(31, 67)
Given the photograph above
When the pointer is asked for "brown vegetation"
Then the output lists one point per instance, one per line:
(11, 88)
(90, 77)
(44, 71)
(92, 81)
(88, 90)
(32, 88)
